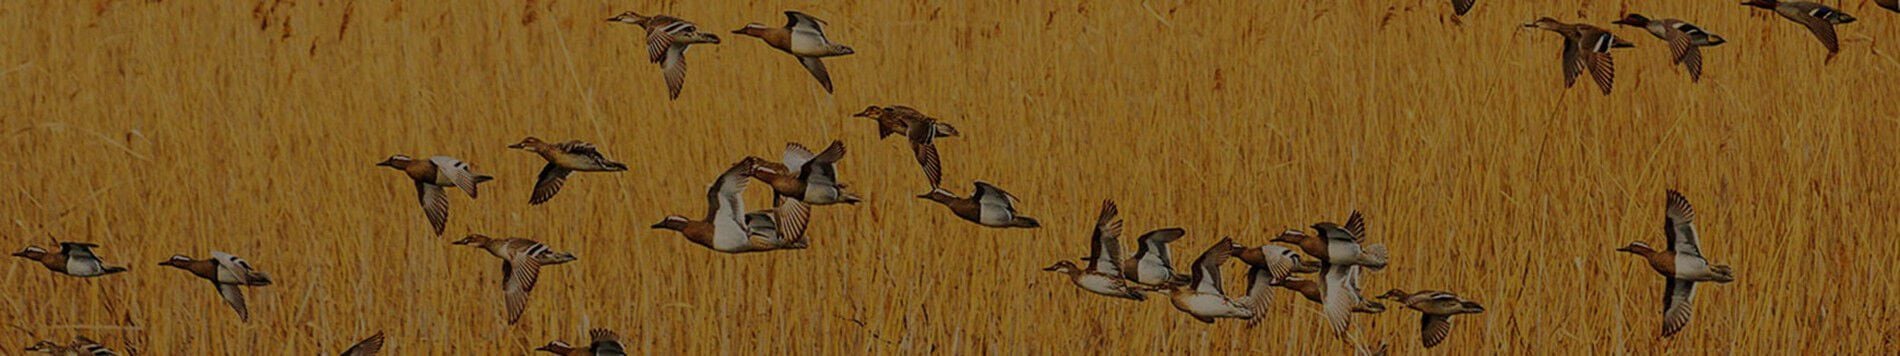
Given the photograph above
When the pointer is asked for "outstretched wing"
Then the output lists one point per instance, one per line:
(435, 204)
(923, 143)
(800, 22)
(368, 347)
(519, 273)
(1105, 249)
(1679, 225)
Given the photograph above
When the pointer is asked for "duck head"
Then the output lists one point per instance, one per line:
(872, 112)
(398, 162)
(629, 17)
(1545, 23)
(938, 195)
(31, 252)
(1765, 4)
(752, 29)
(1065, 267)
(1638, 248)
(476, 240)
(1394, 294)
(180, 261)
(44, 347)
(557, 347)
(672, 222)
(1633, 20)
(530, 144)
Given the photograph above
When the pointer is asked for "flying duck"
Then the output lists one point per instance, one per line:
(1585, 46)
(804, 37)
(563, 158)
(899, 119)
(368, 347)
(80, 346)
(227, 273)
(73, 259)
(1338, 246)
(1819, 19)
(1436, 308)
(728, 228)
(988, 206)
(1153, 264)
(1203, 297)
(1684, 40)
(1682, 264)
(605, 343)
(806, 177)
(667, 40)
(431, 176)
(521, 262)
(1103, 275)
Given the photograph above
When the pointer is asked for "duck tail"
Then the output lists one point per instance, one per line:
(616, 166)
(849, 198)
(1025, 222)
(1375, 256)
(1723, 274)
(113, 269)
(258, 279)
(483, 178)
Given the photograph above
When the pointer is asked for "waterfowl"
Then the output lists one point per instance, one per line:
(227, 273)
(1309, 289)
(667, 40)
(1463, 6)
(563, 158)
(605, 343)
(368, 347)
(80, 346)
(1338, 246)
(1103, 275)
(521, 262)
(804, 37)
(728, 229)
(1682, 263)
(1819, 19)
(806, 177)
(1153, 264)
(1684, 40)
(1436, 308)
(1203, 297)
(988, 206)
(899, 119)
(1342, 297)
(431, 176)
(73, 259)
(1585, 46)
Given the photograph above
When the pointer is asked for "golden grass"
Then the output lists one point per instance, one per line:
(184, 127)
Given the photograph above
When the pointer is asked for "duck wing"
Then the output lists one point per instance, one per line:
(1105, 248)
(1682, 46)
(1679, 225)
(1677, 309)
(368, 347)
(435, 204)
(519, 273)
(548, 183)
(922, 143)
(234, 297)
(606, 343)
(457, 172)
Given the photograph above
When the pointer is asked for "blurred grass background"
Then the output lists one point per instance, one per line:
(252, 127)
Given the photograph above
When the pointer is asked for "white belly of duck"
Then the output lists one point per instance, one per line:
(1153, 273)
(1209, 305)
(1099, 284)
(84, 268)
(1690, 267)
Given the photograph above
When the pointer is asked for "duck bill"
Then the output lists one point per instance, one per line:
(20, 254)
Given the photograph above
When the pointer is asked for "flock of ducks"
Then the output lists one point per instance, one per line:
(1338, 254)
(1587, 47)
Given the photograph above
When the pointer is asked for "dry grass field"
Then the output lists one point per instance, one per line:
(155, 128)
